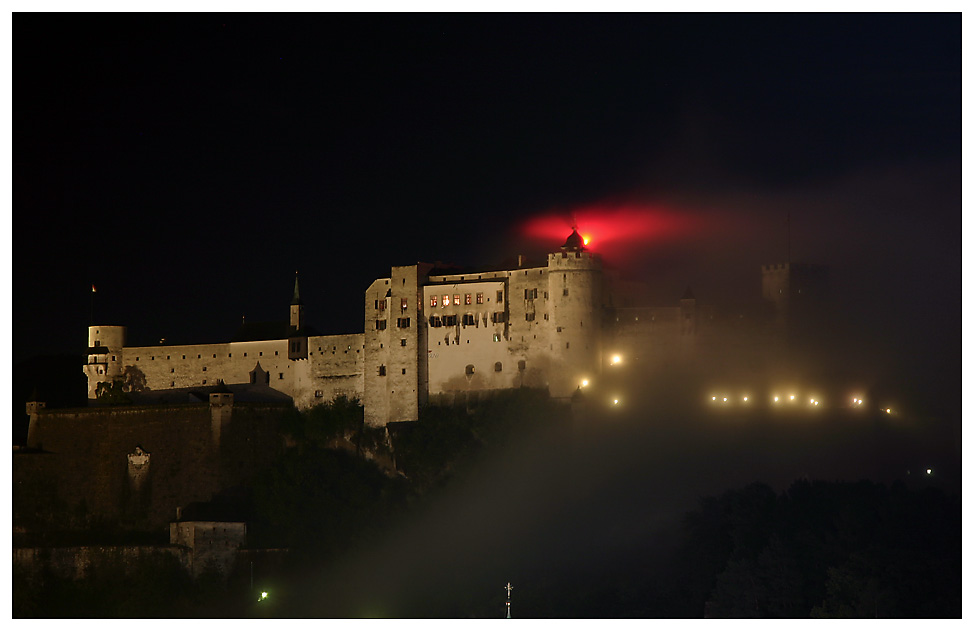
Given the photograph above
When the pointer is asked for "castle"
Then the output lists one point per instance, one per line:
(427, 337)
(430, 337)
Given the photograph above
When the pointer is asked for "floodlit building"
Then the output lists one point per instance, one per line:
(427, 337)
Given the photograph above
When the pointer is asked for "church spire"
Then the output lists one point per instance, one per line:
(296, 299)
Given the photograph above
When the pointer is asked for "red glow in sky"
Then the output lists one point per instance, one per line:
(603, 227)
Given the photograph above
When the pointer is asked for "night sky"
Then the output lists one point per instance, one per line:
(188, 165)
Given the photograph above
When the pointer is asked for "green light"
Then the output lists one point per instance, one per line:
(263, 596)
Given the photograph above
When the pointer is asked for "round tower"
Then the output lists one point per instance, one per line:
(105, 344)
(575, 288)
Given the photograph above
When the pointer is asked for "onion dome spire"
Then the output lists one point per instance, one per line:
(574, 241)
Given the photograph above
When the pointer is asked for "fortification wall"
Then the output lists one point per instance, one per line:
(83, 475)
(334, 368)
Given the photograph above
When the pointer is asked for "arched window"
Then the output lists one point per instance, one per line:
(497, 367)
(469, 371)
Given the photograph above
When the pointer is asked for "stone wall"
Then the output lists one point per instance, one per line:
(83, 474)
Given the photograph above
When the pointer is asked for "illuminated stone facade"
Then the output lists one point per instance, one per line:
(426, 336)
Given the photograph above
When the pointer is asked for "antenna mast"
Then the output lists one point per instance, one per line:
(508, 602)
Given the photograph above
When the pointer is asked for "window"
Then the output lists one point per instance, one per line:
(172, 370)
(433, 301)
(450, 320)
(530, 316)
(403, 303)
(446, 301)
(280, 376)
(402, 342)
(521, 365)
(500, 295)
(468, 319)
(184, 357)
(230, 355)
(319, 393)
(403, 323)
(435, 321)
(171, 384)
(382, 370)
(469, 370)
(167, 357)
(380, 324)
(275, 353)
(204, 368)
(497, 367)
(456, 299)
(382, 303)
(404, 371)
(113, 358)
(204, 381)
(467, 299)
(136, 358)
(546, 316)
(152, 357)
(480, 298)
(497, 338)
(497, 317)
(567, 345)
(214, 355)
(565, 291)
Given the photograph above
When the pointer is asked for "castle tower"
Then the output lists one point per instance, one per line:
(297, 308)
(796, 294)
(105, 343)
(297, 336)
(575, 291)
(395, 372)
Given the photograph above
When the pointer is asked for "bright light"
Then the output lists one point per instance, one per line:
(585, 382)
(775, 399)
(615, 402)
(724, 399)
(585, 240)
(263, 596)
(816, 403)
(888, 411)
(929, 470)
(791, 397)
(745, 398)
(615, 359)
(713, 398)
(812, 401)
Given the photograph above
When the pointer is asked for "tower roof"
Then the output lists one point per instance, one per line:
(296, 299)
(574, 241)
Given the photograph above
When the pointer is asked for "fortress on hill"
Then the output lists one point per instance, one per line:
(430, 337)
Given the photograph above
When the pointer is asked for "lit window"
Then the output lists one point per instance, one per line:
(403, 303)
(480, 298)
(456, 299)
(433, 301)
(446, 300)
(467, 299)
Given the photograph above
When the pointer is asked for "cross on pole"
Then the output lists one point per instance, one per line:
(508, 602)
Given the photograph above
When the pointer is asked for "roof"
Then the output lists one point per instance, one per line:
(243, 393)
(296, 299)
(573, 242)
